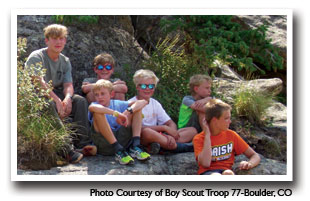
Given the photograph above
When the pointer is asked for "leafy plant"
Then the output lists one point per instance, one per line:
(73, 19)
(40, 136)
(217, 37)
(251, 104)
(173, 68)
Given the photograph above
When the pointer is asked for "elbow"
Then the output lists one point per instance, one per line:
(205, 164)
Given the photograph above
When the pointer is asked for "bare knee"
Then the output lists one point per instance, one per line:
(228, 172)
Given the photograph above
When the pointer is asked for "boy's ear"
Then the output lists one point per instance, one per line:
(112, 94)
(46, 40)
(195, 88)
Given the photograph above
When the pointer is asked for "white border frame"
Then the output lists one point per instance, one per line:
(165, 11)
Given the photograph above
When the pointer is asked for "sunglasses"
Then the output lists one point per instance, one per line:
(144, 86)
(107, 66)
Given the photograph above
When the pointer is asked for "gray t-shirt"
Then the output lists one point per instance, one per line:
(57, 71)
(94, 80)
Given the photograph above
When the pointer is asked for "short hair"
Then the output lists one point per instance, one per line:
(102, 83)
(197, 80)
(103, 58)
(55, 31)
(215, 108)
(144, 74)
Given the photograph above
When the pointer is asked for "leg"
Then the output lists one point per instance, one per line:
(186, 134)
(102, 126)
(79, 113)
(149, 136)
(228, 172)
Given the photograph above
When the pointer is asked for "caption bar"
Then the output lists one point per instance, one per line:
(186, 193)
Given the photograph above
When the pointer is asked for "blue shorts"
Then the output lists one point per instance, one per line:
(208, 172)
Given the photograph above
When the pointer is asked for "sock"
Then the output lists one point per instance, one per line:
(183, 147)
(135, 141)
(117, 146)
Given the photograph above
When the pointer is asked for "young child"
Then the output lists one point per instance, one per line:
(158, 128)
(215, 148)
(192, 107)
(116, 125)
(104, 67)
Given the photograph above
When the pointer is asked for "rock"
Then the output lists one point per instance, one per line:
(174, 164)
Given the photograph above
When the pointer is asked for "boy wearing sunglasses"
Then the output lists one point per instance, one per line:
(158, 129)
(192, 109)
(116, 125)
(104, 67)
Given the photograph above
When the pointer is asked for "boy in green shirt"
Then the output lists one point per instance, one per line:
(192, 108)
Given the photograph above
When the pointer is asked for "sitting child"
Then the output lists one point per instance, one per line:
(215, 148)
(157, 126)
(192, 107)
(104, 67)
(116, 125)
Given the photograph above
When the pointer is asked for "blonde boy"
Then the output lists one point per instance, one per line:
(192, 107)
(157, 126)
(104, 65)
(215, 148)
(116, 125)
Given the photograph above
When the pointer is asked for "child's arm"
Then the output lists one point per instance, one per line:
(254, 160)
(199, 105)
(169, 127)
(120, 117)
(205, 156)
(120, 87)
(87, 87)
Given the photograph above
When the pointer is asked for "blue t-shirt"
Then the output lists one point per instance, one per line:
(117, 105)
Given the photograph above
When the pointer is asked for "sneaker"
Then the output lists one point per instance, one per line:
(74, 157)
(137, 152)
(153, 148)
(88, 150)
(123, 157)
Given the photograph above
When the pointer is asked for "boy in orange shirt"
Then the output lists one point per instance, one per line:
(215, 148)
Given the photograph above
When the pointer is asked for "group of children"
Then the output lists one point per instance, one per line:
(139, 127)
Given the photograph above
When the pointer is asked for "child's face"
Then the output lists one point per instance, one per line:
(224, 121)
(203, 90)
(146, 88)
(103, 96)
(104, 73)
(56, 44)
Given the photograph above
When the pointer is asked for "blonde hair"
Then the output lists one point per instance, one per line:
(104, 58)
(143, 74)
(215, 108)
(197, 80)
(102, 83)
(55, 31)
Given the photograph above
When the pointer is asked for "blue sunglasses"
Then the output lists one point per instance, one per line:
(144, 86)
(101, 67)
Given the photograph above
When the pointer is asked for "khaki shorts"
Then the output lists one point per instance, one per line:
(122, 135)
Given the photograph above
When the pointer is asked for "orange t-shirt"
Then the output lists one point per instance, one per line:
(224, 147)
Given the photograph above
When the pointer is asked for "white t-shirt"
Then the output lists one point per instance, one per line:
(154, 114)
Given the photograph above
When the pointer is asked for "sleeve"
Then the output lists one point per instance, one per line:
(34, 61)
(240, 145)
(188, 101)
(198, 144)
(68, 75)
(162, 116)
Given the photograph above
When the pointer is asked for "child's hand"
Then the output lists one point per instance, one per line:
(245, 165)
(205, 126)
(122, 119)
(174, 133)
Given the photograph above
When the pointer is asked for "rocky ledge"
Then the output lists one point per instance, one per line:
(174, 164)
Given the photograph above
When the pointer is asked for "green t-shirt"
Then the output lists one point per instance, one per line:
(185, 111)
(58, 71)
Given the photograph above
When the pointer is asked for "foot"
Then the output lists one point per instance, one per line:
(74, 157)
(138, 153)
(153, 148)
(88, 150)
(123, 157)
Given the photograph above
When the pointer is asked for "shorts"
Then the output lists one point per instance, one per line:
(194, 122)
(208, 172)
(123, 135)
